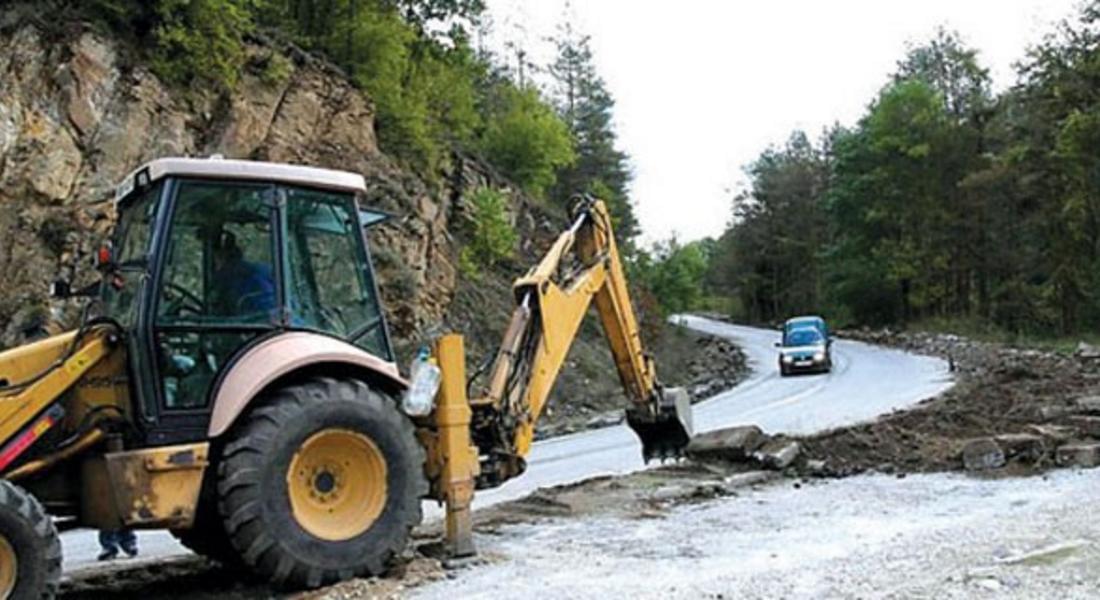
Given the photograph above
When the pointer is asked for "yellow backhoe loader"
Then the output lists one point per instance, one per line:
(232, 380)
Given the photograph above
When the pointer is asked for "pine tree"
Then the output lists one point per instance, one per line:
(585, 104)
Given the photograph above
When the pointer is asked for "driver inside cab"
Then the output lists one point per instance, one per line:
(240, 287)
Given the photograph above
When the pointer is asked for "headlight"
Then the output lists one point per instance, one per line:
(788, 358)
(819, 356)
(419, 400)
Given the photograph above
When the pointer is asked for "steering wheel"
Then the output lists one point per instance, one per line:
(185, 301)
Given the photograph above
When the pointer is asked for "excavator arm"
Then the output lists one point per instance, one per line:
(581, 268)
(484, 440)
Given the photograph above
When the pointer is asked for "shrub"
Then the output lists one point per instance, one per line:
(200, 40)
(492, 237)
(527, 141)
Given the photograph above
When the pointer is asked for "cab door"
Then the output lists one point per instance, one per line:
(217, 290)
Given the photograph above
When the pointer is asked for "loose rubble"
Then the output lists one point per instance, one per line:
(1014, 411)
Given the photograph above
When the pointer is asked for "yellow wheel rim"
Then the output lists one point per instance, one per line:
(337, 484)
(9, 564)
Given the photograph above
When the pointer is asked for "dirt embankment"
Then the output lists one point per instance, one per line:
(1010, 413)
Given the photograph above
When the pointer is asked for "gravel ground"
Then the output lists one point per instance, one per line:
(871, 536)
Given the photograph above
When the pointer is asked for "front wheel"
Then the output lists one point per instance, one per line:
(30, 549)
(321, 482)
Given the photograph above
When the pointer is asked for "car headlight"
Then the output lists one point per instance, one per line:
(788, 358)
(419, 400)
(819, 356)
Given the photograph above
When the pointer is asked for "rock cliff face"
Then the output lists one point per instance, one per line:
(76, 115)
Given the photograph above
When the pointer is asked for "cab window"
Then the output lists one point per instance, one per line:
(220, 263)
(134, 233)
(329, 287)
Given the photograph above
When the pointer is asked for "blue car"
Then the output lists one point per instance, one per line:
(804, 350)
(807, 321)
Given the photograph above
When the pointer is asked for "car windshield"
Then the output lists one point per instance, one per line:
(803, 337)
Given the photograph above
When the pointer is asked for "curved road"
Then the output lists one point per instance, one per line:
(866, 381)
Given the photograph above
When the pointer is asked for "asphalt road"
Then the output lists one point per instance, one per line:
(866, 381)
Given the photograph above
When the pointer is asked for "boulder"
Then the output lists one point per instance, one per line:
(1050, 412)
(778, 454)
(731, 484)
(1079, 454)
(1024, 445)
(1087, 425)
(982, 454)
(606, 419)
(1089, 404)
(731, 443)
(1054, 433)
(1087, 351)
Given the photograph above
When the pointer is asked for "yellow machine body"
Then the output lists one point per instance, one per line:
(143, 488)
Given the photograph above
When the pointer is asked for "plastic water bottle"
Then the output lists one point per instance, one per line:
(424, 379)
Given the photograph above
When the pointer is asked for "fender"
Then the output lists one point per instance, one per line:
(281, 355)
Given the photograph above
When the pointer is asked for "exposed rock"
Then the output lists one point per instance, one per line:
(1086, 424)
(1086, 351)
(732, 443)
(1079, 454)
(778, 454)
(1027, 446)
(982, 454)
(1054, 433)
(741, 480)
(1089, 404)
(1050, 412)
(606, 419)
(817, 467)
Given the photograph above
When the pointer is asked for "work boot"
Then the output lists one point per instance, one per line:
(131, 550)
(108, 554)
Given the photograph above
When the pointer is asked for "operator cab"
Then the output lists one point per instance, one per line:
(212, 256)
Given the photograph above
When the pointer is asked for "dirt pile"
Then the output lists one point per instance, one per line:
(1010, 413)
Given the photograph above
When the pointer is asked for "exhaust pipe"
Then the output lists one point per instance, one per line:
(666, 434)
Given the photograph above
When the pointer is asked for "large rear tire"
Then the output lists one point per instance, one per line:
(321, 482)
(30, 549)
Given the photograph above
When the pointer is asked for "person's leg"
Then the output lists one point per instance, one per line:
(108, 540)
(127, 539)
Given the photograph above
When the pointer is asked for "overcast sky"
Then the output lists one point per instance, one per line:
(703, 86)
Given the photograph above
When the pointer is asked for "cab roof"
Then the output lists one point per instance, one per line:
(241, 170)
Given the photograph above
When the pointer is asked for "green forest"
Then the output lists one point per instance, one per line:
(945, 202)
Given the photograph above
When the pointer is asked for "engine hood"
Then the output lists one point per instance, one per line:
(801, 350)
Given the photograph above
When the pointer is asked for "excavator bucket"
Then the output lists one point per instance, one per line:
(667, 434)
